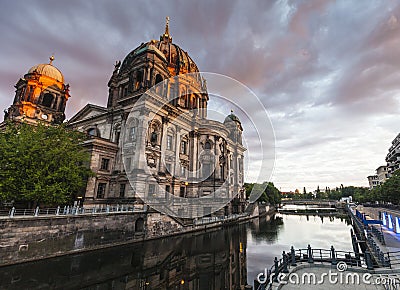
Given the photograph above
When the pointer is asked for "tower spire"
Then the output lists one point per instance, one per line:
(166, 26)
(166, 36)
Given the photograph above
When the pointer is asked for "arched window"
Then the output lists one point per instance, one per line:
(139, 80)
(132, 134)
(47, 100)
(139, 225)
(184, 146)
(93, 132)
(154, 133)
(61, 105)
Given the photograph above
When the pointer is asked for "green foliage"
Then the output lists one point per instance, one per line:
(42, 164)
(334, 194)
(269, 193)
(248, 187)
(321, 195)
(389, 191)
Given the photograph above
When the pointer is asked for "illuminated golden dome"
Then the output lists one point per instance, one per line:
(47, 69)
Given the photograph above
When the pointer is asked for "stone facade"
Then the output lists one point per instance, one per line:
(155, 133)
(26, 238)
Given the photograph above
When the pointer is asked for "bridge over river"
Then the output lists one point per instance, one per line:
(321, 203)
(311, 207)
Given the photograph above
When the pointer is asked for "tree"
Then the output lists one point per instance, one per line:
(273, 194)
(248, 187)
(270, 193)
(390, 190)
(304, 191)
(320, 195)
(42, 164)
(334, 194)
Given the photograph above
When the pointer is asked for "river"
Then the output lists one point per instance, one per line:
(226, 258)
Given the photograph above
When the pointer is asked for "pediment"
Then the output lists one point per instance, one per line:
(88, 112)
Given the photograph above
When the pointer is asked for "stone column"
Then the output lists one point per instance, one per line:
(163, 143)
(176, 169)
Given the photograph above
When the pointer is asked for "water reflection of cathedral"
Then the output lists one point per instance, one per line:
(208, 261)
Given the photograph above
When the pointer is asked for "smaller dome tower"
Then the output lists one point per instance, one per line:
(234, 126)
(41, 95)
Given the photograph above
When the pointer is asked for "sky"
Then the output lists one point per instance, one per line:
(327, 72)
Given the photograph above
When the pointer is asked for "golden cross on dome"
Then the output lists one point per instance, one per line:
(166, 26)
(51, 59)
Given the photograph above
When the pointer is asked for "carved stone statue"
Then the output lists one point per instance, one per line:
(117, 65)
(153, 138)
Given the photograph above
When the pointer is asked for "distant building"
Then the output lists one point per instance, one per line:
(382, 173)
(378, 178)
(393, 157)
(373, 181)
(347, 199)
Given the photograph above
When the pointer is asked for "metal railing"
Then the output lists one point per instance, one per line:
(393, 259)
(71, 210)
(379, 255)
(378, 234)
(333, 257)
(352, 259)
(209, 220)
(371, 231)
(309, 255)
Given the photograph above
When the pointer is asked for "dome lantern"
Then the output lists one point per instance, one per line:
(166, 36)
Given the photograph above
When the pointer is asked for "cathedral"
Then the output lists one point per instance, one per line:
(153, 142)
